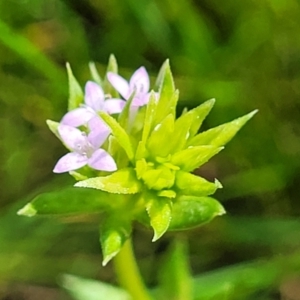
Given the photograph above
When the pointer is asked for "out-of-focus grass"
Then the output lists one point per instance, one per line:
(245, 54)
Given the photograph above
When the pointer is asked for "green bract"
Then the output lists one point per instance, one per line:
(155, 153)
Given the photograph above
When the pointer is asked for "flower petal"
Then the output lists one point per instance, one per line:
(94, 95)
(119, 83)
(114, 106)
(101, 160)
(141, 100)
(99, 132)
(72, 137)
(140, 81)
(69, 162)
(77, 117)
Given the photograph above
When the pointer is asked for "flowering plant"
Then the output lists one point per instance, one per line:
(133, 157)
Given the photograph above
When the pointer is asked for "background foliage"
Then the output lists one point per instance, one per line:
(245, 54)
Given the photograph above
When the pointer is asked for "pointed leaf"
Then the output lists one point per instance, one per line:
(184, 111)
(88, 289)
(113, 234)
(192, 185)
(159, 210)
(158, 143)
(192, 211)
(119, 133)
(191, 158)
(141, 151)
(124, 116)
(197, 116)
(75, 92)
(175, 276)
(160, 75)
(68, 201)
(167, 99)
(94, 73)
(149, 117)
(222, 134)
(181, 134)
(123, 181)
(111, 67)
(53, 126)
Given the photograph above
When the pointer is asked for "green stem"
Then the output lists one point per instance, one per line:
(128, 273)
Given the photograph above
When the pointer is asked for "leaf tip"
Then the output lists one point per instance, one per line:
(109, 257)
(112, 57)
(221, 212)
(69, 70)
(247, 117)
(157, 236)
(254, 112)
(218, 184)
(80, 184)
(28, 210)
(211, 101)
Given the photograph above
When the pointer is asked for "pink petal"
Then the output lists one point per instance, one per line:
(114, 106)
(94, 96)
(70, 162)
(99, 132)
(140, 81)
(101, 160)
(77, 117)
(72, 137)
(141, 100)
(119, 83)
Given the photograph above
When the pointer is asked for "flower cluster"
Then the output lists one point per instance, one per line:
(133, 154)
(85, 145)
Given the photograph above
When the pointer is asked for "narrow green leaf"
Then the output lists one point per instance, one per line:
(68, 201)
(111, 67)
(123, 181)
(222, 134)
(187, 126)
(94, 73)
(119, 133)
(88, 289)
(184, 111)
(141, 151)
(180, 135)
(198, 115)
(192, 211)
(124, 116)
(158, 143)
(53, 126)
(192, 185)
(159, 210)
(175, 276)
(161, 74)
(191, 158)
(75, 92)
(149, 116)
(166, 93)
(113, 234)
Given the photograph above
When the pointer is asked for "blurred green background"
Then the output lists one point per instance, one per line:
(246, 54)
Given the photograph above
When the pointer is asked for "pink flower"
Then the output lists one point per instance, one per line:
(94, 102)
(84, 151)
(139, 82)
